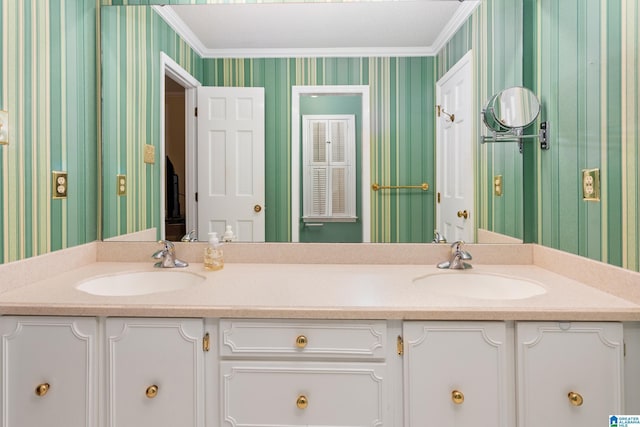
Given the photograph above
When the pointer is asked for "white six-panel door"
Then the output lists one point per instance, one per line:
(231, 162)
(454, 146)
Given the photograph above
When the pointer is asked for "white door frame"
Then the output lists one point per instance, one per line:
(467, 59)
(170, 68)
(296, 93)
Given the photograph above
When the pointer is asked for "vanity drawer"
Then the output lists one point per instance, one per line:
(303, 339)
(302, 394)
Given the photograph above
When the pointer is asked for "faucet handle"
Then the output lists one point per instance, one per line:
(168, 246)
(190, 236)
(457, 245)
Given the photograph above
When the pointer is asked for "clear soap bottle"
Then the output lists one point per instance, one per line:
(213, 256)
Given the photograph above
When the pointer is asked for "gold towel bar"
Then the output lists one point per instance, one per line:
(375, 187)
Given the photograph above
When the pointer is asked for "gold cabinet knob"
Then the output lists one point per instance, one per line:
(42, 389)
(457, 397)
(257, 208)
(463, 214)
(152, 391)
(302, 402)
(301, 341)
(575, 398)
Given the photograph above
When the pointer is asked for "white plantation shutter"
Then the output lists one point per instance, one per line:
(329, 175)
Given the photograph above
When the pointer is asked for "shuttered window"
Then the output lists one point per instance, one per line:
(329, 170)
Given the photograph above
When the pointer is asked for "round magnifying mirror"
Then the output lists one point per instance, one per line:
(511, 108)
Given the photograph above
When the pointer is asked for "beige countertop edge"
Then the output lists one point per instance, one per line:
(343, 313)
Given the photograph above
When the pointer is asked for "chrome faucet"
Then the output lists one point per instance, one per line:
(167, 256)
(190, 237)
(438, 238)
(458, 258)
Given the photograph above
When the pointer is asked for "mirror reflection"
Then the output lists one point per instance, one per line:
(402, 135)
(511, 108)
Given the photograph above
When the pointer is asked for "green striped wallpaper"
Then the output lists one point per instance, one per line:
(131, 112)
(587, 55)
(48, 86)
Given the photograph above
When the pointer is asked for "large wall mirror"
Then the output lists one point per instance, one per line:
(144, 105)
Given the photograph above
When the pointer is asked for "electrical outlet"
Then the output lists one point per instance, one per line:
(121, 185)
(59, 184)
(591, 185)
(497, 185)
(149, 154)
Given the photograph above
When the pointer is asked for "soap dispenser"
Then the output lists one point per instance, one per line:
(213, 257)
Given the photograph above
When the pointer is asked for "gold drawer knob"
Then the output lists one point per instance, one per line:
(301, 341)
(302, 402)
(457, 397)
(152, 391)
(575, 398)
(42, 389)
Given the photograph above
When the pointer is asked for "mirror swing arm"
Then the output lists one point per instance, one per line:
(515, 135)
(508, 113)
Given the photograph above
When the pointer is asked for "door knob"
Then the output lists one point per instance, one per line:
(457, 397)
(257, 208)
(463, 214)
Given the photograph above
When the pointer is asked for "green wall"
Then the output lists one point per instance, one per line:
(131, 111)
(587, 55)
(48, 86)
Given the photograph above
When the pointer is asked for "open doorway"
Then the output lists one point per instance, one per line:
(299, 93)
(178, 144)
(175, 155)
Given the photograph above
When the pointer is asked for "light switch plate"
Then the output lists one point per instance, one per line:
(121, 185)
(591, 185)
(4, 127)
(149, 154)
(497, 185)
(59, 184)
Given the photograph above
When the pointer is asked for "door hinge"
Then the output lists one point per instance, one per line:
(438, 110)
(196, 112)
(400, 345)
(624, 349)
(196, 196)
(206, 342)
(438, 197)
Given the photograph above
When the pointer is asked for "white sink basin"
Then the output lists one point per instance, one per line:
(139, 283)
(470, 284)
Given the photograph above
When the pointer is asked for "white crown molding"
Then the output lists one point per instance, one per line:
(457, 20)
(172, 19)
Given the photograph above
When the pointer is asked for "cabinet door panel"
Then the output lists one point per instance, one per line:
(270, 393)
(555, 359)
(465, 357)
(167, 354)
(53, 351)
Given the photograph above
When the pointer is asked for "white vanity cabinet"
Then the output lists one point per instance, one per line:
(49, 373)
(299, 373)
(458, 374)
(154, 372)
(569, 374)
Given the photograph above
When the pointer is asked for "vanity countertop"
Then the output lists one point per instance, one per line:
(324, 291)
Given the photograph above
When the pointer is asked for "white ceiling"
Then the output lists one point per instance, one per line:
(294, 29)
